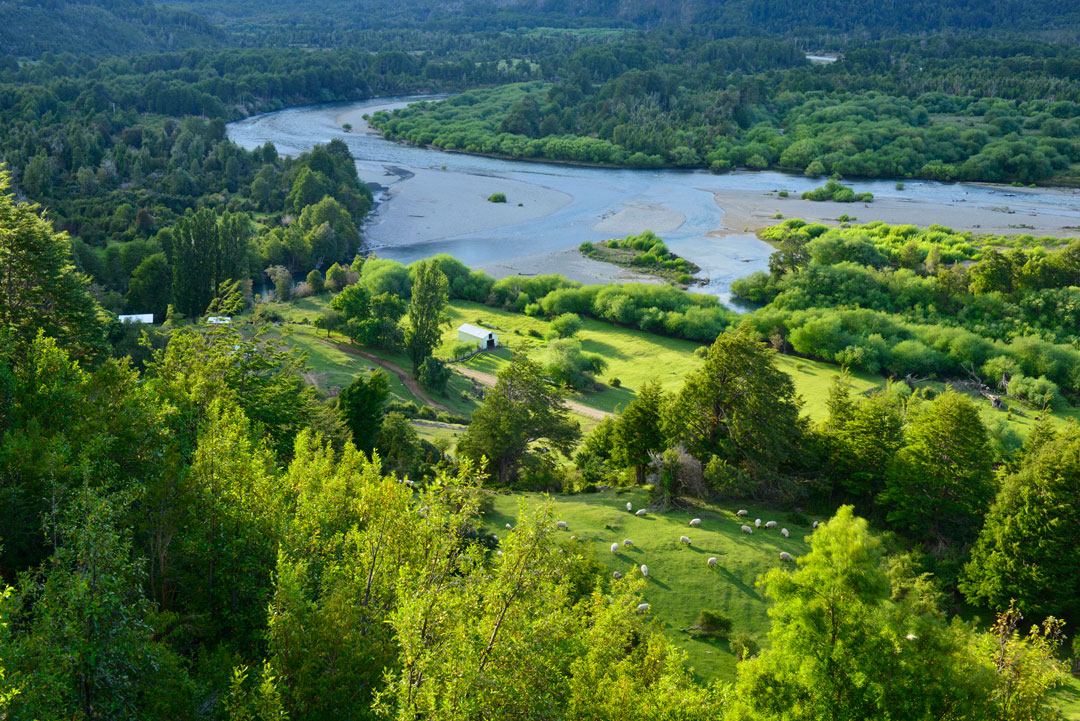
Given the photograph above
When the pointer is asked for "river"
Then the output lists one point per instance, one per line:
(430, 201)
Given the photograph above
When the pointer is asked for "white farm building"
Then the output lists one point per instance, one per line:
(147, 318)
(482, 337)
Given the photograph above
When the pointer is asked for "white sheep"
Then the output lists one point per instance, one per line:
(509, 527)
(616, 575)
(684, 539)
(784, 532)
(757, 523)
(815, 525)
(614, 548)
(642, 607)
(562, 525)
(641, 512)
(712, 561)
(911, 637)
(785, 556)
(629, 506)
(644, 570)
(747, 529)
(741, 513)
(628, 543)
(770, 524)
(695, 523)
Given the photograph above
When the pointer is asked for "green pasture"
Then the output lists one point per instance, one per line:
(680, 581)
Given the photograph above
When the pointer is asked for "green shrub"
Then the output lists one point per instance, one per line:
(615, 383)
(427, 413)
(797, 519)
(712, 623)
(743, 645)
(497, 198)
(783, 194)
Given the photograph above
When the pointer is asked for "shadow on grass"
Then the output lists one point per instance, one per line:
(739, 584)
(591, 345)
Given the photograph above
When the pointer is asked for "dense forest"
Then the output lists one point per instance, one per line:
(197, 527)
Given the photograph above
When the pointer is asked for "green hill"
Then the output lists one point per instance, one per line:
(100, 27)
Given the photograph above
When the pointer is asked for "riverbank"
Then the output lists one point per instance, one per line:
(755, 210)
(571, 263)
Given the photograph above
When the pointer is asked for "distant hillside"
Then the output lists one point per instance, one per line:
(29, 28)
(822, 19)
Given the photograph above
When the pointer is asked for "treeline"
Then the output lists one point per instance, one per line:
(760, 105)
(101, 27)
(928, 302)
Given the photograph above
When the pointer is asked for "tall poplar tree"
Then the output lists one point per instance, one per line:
(426, 310)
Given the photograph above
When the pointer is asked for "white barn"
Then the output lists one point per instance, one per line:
(147, 318)
(482, 337)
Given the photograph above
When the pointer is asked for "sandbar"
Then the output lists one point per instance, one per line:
(638, 217)
(754, 210)
(568, 262)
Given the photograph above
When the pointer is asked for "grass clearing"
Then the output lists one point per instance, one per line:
(680, 582)
(1067, 698)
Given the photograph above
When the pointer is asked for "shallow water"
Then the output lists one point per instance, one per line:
(594, 192)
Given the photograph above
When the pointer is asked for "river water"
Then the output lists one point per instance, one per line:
(421, 211)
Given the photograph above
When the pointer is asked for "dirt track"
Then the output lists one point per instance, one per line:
(407, 380)
(489, 380)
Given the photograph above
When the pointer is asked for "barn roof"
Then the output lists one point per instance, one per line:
(474, 330)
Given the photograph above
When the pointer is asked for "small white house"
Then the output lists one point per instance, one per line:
(147, 318)
(482, 337)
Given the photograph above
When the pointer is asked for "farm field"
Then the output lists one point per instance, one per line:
(633, 357)
(680, 582)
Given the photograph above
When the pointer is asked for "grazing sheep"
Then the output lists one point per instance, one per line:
(696, 523)
(785, 556)
(616, 575)
(911, 637)
(562, 525)
(815, 525)
(628, 543)
(641, 512)
(644, 570)
(770, 524)
(784, 532)
(712, 561)
(740, 514)
(747, 529)
(629, 506)
(509, 527)
(757, 523)
(614, 548)
(684, 539)
(642, 607)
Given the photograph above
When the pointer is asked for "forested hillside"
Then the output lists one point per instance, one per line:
(29, 28)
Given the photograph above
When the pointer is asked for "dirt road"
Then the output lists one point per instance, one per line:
(407, 380)
(489, 380)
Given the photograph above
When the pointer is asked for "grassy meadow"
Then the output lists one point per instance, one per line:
(680, 581)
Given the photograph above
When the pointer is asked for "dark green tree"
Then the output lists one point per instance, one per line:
(941, 483)
(151, 287)
(427, 309)
(522, 417)
(361, 404)
(1027, 548)
(740, 409)
(639, 430)
(39, 288)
